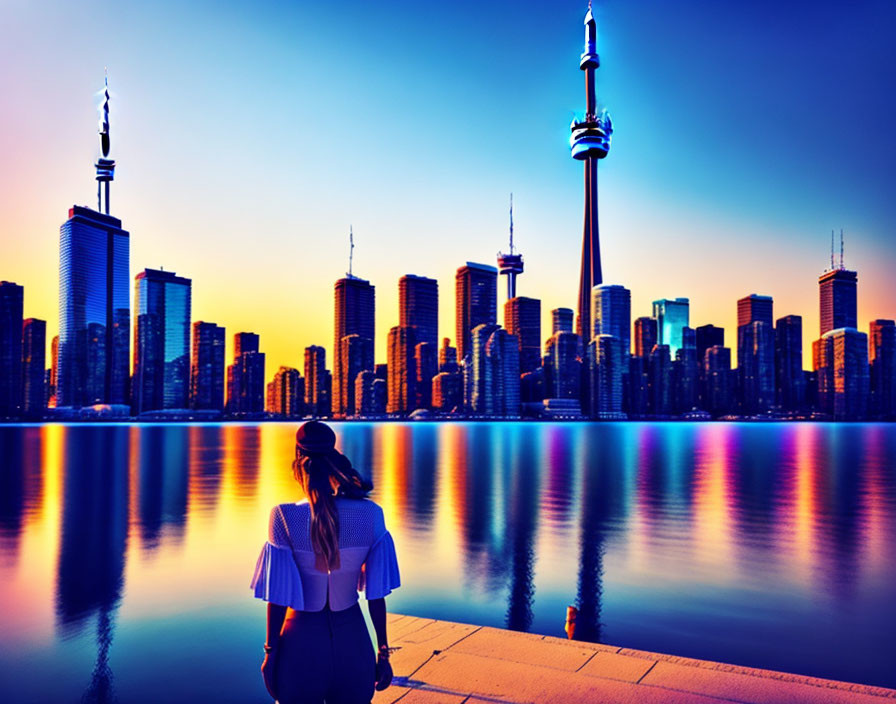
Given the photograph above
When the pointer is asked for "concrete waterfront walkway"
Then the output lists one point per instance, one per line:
(441, 662)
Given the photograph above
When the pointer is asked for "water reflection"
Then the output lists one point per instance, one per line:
(693, 539)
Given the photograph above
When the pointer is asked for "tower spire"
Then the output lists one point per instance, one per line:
(351, 251)
(832, 249)
(511, 222)
(841, 249)
(510, 265)
(105, 167)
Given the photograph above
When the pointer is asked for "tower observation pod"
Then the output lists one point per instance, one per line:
(510, 265)
(589, 142)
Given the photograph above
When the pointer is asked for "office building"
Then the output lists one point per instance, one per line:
(162, 305)
(480, 390)
(755, 353)
(686, 374)
(882, 360)
(645, 336)
(636, 387)
(522, 318)
(718, 379)
(672, 315)
(660, 390)
(207, 367)
(502, 378)
(564, 368)
(356, 357)
(605, 366)
(426, 367)
(370, 395)
(708, 336)
(245, 376)
(94, 310)
(611, 309)
(316, 397)
(418, 307)
(447, 357)
(562, 320)
(476, 302)
(447, 391)
(34, 352)
(790, 388)
(355, 311)
(402, 389)
(850, 373)
(837, 299)
(11, 303)
(54, 371)
(286, 396)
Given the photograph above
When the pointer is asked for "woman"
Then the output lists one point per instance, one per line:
(319, 554)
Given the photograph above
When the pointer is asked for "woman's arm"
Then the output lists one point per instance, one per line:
(276, 614)
(377, 609)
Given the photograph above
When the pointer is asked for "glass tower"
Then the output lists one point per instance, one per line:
(671, 317)
(476, 302)
(11, 301)
(161, 341)
(94, 310)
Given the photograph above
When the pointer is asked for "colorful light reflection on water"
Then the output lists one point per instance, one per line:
(125, 551)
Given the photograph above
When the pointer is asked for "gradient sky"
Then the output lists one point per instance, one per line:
(250, 135)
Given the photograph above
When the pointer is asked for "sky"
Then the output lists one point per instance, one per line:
(250, 136)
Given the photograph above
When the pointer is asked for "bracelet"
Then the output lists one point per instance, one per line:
(385, 651)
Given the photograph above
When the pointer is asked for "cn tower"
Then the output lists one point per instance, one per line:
(589, 142)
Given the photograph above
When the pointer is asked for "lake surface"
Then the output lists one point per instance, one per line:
(126, 551)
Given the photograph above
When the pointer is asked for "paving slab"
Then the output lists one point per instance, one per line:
(442, 661)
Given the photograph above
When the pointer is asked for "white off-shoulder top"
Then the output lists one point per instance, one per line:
(285, 573)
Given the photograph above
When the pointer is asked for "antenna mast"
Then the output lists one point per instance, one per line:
(832, 250)
(841, 248)
(511, 223)
(351, 250)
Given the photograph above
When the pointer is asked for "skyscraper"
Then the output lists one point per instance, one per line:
(162, 304)
(685, 373)
(316, 401)
(645, 336)
(502, 380)
(850, 373)
(660, 370)
(561, 320)
(756, 353)
(565, 376)
(245, 376)
(447, 391)
(590, 142)
(355, 312)
(476, 302)
(54, 371)
(605, 366)
(287, 394)
(11, 302)
(356, 356)
(447, 357)
(882, 358)
(837, 299)
(708, 336)
(790, 387)
(717, 375)
(94, 310)
(402, 372)
(522, 318)
(34, 352)
(671, 316)
(611, 307)
(481, 393)
(418, 306)
(94, 296)
(207, 367)
(426, 366)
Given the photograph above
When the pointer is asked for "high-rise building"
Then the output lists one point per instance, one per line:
(660, 371)
(605, 366)
(207, 367)
(717, 375)
(370, 395)
(611, 308)
(850, 373)
(672, 315)
(522, 318)
(447, 391)
(708, 336)
(823, 369)
(562, 320)
(245, 376)
(790, 389)
(837, 299)
(355, 312)
(357, 356)
(418, 306)
(402, 391)
(316, 400)
(11, 303)
(502, 379)
(34, 353)
(54, 371)
(481, 394)
(447, 357)
(94, 310)
(287, 394)
(882, 359)
(636, 388)
(590, 142)
(756, 353)
(564, 377)
(162, 304)
(645, 336)
(686, 373)
(426, 367)
(476, 302)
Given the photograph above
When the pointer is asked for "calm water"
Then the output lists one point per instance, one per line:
(126, 551)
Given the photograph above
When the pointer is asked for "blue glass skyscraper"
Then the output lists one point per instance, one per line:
(161, 341)
(671, 317)
(94, 310)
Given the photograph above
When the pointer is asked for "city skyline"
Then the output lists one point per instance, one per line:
(284, 342)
